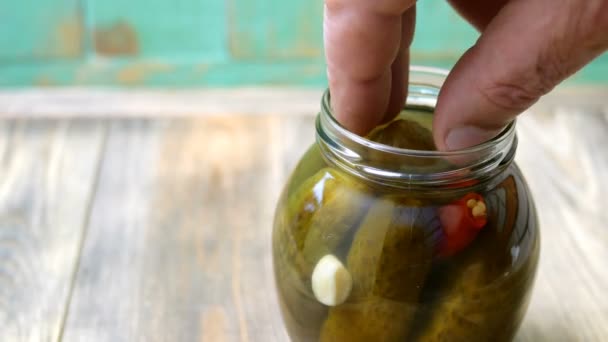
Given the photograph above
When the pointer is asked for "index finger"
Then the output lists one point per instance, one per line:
(362, 40)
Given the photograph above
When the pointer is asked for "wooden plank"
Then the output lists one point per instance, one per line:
(178, 244)
(40, 29)
(158, 28)
(47, 176)
(563, 155)
(159, 103)
(116, 103)
(179, 241)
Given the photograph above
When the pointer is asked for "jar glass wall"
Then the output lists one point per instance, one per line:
(382, 238)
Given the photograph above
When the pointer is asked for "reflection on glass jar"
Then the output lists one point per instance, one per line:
(385, 239)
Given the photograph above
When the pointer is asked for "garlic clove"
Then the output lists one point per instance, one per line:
(331, 281)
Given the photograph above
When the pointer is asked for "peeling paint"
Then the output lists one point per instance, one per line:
(118, 39)
(137, 73)
(64, 39)
(44, 81)
(255, 33)
(69, 37)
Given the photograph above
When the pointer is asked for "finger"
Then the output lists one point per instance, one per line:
(362, 39)
(400, 66)
(527, 49)
(478, 12)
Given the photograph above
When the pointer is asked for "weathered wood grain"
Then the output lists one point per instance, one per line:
(61, 103)
(47, 174)
(563, 154)
(177, 244)
(69, 102)
(178, 247)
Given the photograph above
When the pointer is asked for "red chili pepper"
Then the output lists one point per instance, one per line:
(461, 221)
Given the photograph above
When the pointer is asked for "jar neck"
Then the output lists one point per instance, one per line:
(406, 168)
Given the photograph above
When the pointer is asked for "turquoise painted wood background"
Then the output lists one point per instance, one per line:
(198, 42)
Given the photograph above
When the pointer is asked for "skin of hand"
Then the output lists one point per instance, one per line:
(526, 48)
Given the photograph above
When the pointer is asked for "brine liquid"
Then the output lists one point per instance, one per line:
(405, 287)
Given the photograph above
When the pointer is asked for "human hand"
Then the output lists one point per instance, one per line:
(526, 48)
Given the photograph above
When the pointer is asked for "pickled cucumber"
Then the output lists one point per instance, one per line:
(315, 220)
(406, 134)
(311, 162)
(344, 202)
(479, 306)
(300, 312)
(318, 216)
(478, 294)
(403, 133)
(388, 260)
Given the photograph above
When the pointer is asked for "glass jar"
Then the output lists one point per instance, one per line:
(376, 242)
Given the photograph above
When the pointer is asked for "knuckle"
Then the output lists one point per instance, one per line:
(523, 88)
(553, 67)
(510, 97)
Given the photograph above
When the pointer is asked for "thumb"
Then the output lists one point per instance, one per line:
(527, 49)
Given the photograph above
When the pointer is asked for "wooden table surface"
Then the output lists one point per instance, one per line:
(158, 229)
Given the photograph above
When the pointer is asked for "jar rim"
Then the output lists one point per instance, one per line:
(506, 133)
(411, 167)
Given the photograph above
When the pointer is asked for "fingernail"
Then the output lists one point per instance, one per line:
(467, 136)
